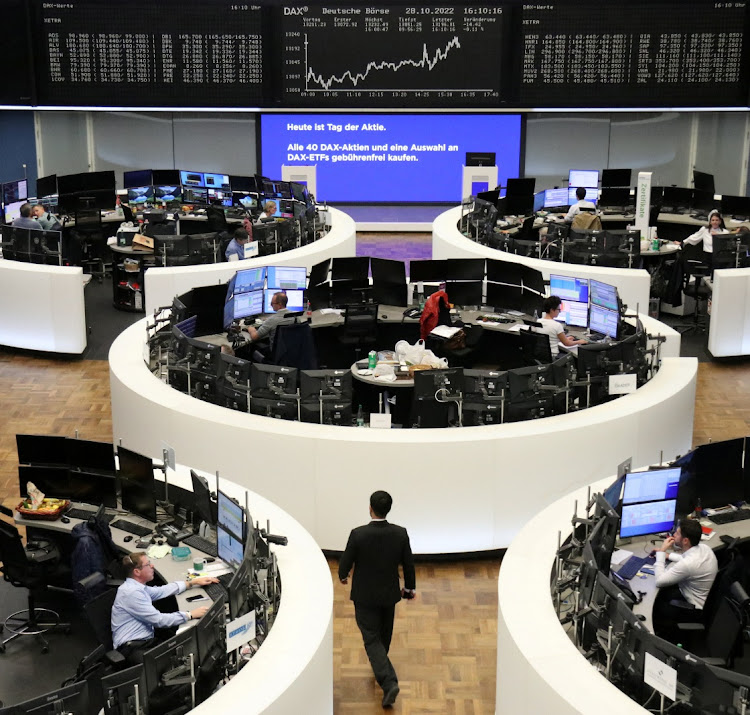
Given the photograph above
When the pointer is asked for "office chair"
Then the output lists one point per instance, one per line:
(99, 614)
(360, 329)
(88, 232)
(20, 569)
(216, 219)
(459, 357)
(526, 241)
(535, 348)
(128, 214)
(293, 346)
(695, 266)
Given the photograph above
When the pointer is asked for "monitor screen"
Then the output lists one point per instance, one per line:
(14, 191)
(287, 277)
(604, 321)
(653, 485)
(647, 518)
(603, 295)
(230, 548)
(120, 692)
(192, 178)
(592, 195)
(91, 456)
(136, 475)
(206, 509)
(588, 178)
(295, 300)
(194, 194)
(328, 383)
(569, 288)
(735, 205)
(133, 179)
(616, 197)
(355, 268)
(216, 181)
(228, 313)
(167, 193)
(616, 177)
(52, 481)
(230, 515)
(249, 279)
(555, 197)
(574, 313)
(243, 183)
(613, 492)
(703, 181)
(464, 269)
(141, 195)
(46, 186)
(244, 200)
(520, 187)
(247, 304)
(70, 699)
(165, 176)
(385, 269)
(13, 211)
(41, 449)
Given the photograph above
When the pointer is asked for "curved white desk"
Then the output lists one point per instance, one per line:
(457, 490)
(163, 284)
(729, 328)
(539, 670)
(42, 308)
(633, 284)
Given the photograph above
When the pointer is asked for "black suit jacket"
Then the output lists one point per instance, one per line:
(376, 550)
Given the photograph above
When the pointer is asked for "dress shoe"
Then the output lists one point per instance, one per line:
(390, 696)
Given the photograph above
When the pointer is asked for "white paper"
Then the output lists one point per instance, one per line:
(331, 311)
(660, 676)
(619, 556)
(240, 631)
(444, 331)
(515, 328)
(378, 421)
(622, 384)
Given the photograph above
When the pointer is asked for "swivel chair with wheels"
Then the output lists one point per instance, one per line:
(293, 346)
(535, 348)
(88, 231)
(695, 266)
(360, 330)
(34, 569)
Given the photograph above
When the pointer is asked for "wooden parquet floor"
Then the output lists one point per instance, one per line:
(445, 640)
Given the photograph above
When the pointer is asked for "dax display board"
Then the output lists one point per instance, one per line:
(229, 53)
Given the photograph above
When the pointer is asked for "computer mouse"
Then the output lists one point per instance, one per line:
(129, 537)
(172, 541)
(210, 560)
(65, 520)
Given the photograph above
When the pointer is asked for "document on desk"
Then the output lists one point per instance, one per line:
(619, 556)
(515, 328)
(444, 331)
(331, 311)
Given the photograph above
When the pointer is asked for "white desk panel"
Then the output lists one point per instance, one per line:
(457, 490)
(42, 308)
(633, 284)
(729, 329)
(163, 284)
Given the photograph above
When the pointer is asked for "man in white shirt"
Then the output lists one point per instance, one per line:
(685, 582)
(580, 205)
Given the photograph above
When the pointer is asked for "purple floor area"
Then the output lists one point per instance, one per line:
(396, 246)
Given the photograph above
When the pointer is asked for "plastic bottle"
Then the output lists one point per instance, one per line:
(698, 512)
(309, 311)
(372, 359)
(360, 417)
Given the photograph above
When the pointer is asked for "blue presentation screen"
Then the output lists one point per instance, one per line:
(384, 158)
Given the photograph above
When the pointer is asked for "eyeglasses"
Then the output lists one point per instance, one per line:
(143, 566)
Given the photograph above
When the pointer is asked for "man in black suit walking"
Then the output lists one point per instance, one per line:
(376, 550)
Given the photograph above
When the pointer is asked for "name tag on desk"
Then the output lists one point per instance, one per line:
(622, 384)
(240, 631)
(251, 249)
(660, 676)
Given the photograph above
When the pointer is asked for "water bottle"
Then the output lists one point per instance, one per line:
(309, 311)
(360, 417)
(372, 359)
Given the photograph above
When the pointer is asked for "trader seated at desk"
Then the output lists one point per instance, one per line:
(553, 328)
(578, 206)
(45, 219)
(269, 210)
(235, 250)
(133, 614)
(685, 583)
(268, 329)
(25, 220)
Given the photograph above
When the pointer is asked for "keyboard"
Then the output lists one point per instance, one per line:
(75, 513)
(204, 545)
(727, 517)
(633, 565)
(216, 590)
(131, 528)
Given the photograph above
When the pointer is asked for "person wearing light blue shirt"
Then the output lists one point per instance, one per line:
(134, 616)
(236, 249)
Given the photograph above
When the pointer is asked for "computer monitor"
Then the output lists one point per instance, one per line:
(480, 158)
(71, 699)
(92, 488)
(604, 536)
(616, 177)
(168, 192)
(248, 279)
(15, 191)
(519, 205)
(703, 181)
(133, 179)
(46, 186)
(587, 178)
(331, 412)
(230, 548)
(616, 197)
(603, 295)
(525, 382)
(205, 507)
(245, 200)
(476, 414)
(651, 485)
(736, 206)
(504, 297)
(503, 272)
(125, 692)
(272, 381)
(230, 515)
(204, 357)
(612, 494)
(319, 273)
(167, 670)
(13, 211)
(350, 268)
(592, 196)
(295, 299)
(234, 369)
(485, 383)
(51, 481)
(433, 390)
(385, 293)
(465, 293)
(287, 278)
(427, 271)
(647, 518)
(42, 449)
(677, 197)
(587, 575)
(141, 195)
(520, 187)
(248, 304)
(211, 633)
(216, 181)
(574, 313)
(239, 590)
(390, 271)
(87, 181)
(243, 183)
(192, 179)
(554, 198)
(465, 269)
(280, 409)
(335, 384)
(136, 476)
(604, 321)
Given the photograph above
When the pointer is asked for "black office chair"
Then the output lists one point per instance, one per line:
(360, 330)
(526, 241)
(88, 232)
(293, 346)
(34, 569)
(695, 267)
(128, 214)
(216, 219)
(535, 348)
(99, 614)
(459, 356)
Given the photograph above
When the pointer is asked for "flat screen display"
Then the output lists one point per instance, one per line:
(648, 518)
(136, 475)
(192, 178)
(604, 321)
(588, 178)
(603, 295)
(556, 197)
(653, 485)
(295, 300)
(569, 288)
(231, 549)
(230, 515)
(247, 304)
(378, 158)
(592, 195)
(216, 181)
(141, 195)
(168, 193)
(287, 277)
(574, 313)
(249, 279)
